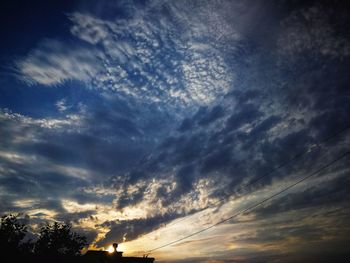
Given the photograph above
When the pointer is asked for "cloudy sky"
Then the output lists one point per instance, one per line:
(142, 122)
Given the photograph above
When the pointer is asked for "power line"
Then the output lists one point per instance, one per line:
(255, 205)
(283, 164)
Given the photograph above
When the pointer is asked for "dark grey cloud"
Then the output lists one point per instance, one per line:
(290, 91)
(82, 197)
(131, 229)
(216, 160)
(127, 199)
(75, 217)
(215, 113)
(186, 124)
(90, 234)
(248, 113)
(282, 104)
(331, 193)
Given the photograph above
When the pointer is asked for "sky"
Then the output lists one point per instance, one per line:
(142, 122)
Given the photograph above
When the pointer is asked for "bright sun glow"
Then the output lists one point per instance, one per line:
(110, 249)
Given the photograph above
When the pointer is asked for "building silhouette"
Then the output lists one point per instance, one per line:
(100, 256)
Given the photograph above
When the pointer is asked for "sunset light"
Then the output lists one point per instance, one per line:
(110, 249)
(175, 131)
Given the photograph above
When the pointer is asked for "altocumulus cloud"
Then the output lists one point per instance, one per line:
(173, 58)
(193, 100)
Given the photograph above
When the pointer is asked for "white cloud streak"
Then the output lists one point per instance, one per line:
(154, 58)
(54, 63)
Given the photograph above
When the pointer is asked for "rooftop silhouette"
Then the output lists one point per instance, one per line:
(102, 256)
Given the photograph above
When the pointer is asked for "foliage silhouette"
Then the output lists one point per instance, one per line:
(12, 233)
(56, 242)
(58, 239)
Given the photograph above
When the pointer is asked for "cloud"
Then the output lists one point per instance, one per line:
(55, 158)
(216, 113)
(331, 192)
(273, 233)
(88, 28)
(62, 105)
(248, 114)
(309, 30)
(192, 101)
(122, 231)
(156, 58)
(54, 63)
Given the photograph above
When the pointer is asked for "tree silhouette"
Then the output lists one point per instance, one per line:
(58, 239)
(12, 233)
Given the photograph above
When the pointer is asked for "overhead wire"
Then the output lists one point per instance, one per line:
(309, 149)
(329, 164)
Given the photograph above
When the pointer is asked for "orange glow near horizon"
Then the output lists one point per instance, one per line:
(110, 249)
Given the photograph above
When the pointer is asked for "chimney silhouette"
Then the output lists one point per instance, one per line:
(115, 246)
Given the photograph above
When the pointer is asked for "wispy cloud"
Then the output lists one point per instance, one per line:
(62, 105)
(54, 63)
(157, 58)
(192, 100)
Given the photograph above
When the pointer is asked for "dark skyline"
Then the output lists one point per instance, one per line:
(141, 122)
